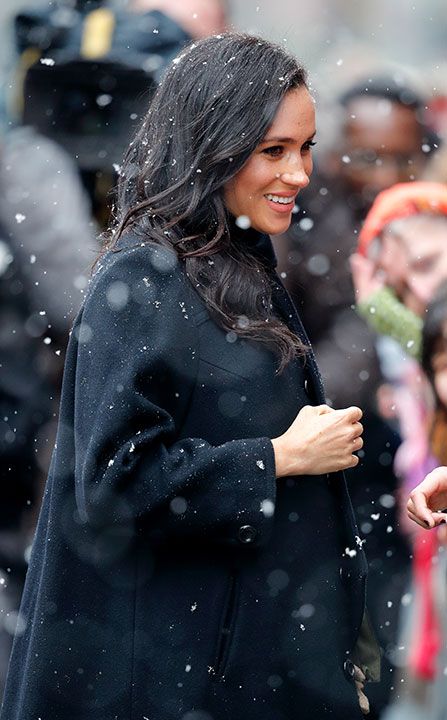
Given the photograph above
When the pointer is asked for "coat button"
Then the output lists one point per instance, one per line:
(349, 669)
(247, 534)
(306, 385)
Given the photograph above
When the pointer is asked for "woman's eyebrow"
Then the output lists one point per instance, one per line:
(277, 139)
(284, 139)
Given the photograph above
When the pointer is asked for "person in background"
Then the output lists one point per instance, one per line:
(196, 554)
(427, 507)
(47, 246)
(402, 259)
(198, 18)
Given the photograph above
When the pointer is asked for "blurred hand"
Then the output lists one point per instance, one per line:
(320, 440)
(428, 498)
(365, 277)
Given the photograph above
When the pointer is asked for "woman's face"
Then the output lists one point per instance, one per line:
(424, 241)
(265, 189)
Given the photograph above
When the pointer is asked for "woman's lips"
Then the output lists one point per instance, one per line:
(281, 207)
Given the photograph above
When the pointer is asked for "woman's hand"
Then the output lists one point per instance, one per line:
(428, 499)
(365, 277)
(320, 440)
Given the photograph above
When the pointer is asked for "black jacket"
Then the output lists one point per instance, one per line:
(172, 577)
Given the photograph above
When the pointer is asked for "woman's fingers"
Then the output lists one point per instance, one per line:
(416, 519)
(435, 519)
(428, 498)
(364, 276)
(353, 414)
(418, 506)
(320, 440)
(350, 461)
(324, 409)
(419, 511)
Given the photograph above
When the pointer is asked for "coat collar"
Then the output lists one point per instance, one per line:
(258, 243)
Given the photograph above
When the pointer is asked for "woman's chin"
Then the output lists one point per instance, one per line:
(277, 228)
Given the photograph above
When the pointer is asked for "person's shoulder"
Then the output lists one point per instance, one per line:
(142, 274)
(133, 258)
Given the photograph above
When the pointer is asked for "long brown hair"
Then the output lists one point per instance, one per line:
(211, 110)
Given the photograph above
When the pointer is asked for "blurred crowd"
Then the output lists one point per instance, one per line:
(365, 261)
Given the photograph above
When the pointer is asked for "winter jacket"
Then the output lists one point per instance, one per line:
(172, 576)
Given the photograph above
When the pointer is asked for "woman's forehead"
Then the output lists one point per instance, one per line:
(295, 114)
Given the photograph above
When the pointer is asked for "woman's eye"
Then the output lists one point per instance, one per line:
(274, 151)
(308, 145)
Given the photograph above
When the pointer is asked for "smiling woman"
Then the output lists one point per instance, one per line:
(196, 556)
(266, 187)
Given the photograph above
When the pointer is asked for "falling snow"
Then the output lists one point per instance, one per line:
(243, 222)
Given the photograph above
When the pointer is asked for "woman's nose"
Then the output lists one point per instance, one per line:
(297, 177)
(294, 171)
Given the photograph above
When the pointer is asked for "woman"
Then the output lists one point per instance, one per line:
(196, 555)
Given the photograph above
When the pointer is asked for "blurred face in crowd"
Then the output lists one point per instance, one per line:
(199, 18)
(414, 258)
(382, 145)
(439, 367)
(392, 262)
(265, 189)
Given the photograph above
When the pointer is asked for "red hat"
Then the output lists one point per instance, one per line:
(400, 201)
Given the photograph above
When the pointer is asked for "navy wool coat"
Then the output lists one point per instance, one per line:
(172, 576)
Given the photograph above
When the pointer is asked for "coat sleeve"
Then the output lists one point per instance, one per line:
(136, 369)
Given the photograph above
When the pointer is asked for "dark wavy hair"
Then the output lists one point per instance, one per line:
(209, 113)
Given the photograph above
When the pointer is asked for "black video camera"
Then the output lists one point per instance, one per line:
(89, 74)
